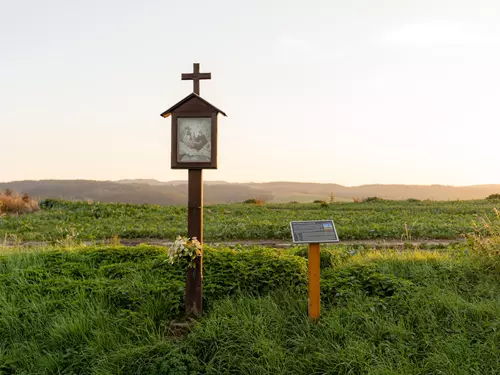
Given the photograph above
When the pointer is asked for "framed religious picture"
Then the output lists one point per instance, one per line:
(194, 139)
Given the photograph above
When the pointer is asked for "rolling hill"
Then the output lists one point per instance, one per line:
(175, 192)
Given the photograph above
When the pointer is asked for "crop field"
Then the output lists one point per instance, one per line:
(400, 220)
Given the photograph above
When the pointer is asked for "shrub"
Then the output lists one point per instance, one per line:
(319, 201)
(412, 200)
(372, 199)
(338, 283)
(493, 196)
(328, 257)
(255, 271)
(48, 203)
(17, 203)
(257, 202)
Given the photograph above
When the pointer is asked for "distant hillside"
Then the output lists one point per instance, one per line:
(138, 193)
(397, 192)
(162, 183)
(175, 192)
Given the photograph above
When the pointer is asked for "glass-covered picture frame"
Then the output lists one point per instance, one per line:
(194, 140)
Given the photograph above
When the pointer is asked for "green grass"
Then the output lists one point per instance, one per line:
(109, 310)
(64, 221)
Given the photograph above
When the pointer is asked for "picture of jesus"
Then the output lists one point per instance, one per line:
(194, 139)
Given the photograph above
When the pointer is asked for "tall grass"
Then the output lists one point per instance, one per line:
(485, 241)
(383, 312)
(116, 310)
(429, 332)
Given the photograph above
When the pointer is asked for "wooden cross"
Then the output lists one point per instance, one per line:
(196, 76)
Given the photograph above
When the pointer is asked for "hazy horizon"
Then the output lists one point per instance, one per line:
(244, 182)
(394, 92)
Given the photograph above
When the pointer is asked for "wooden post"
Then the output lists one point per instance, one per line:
(314, 281)
(194, 278)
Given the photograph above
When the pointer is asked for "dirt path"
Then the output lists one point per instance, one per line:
(267, 243)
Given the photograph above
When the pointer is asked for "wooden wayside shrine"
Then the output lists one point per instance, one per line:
(194, 147)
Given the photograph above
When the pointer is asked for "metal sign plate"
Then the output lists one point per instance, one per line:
(316, 231)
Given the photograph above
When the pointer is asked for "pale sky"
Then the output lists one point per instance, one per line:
(350, 92)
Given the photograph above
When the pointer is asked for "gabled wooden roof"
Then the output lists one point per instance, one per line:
(169, 111)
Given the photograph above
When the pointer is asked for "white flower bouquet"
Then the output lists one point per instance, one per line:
(185, 248)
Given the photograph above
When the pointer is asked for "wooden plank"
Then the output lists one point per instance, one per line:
(178, 106)
(195, 105)
(192, 76)
(195, 77)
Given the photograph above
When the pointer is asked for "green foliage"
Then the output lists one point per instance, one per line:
(61, 310)
(73, 222)
(254, 271)
(113, 310)
(361, 279)
(367, 335)
(329, 257)
(108, 310)
(51, 203)
(493, 197)
(382, 313)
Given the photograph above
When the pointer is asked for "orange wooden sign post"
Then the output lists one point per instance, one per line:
(314, 281)
(313, 233)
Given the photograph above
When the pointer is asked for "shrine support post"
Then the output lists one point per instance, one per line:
(194, 279)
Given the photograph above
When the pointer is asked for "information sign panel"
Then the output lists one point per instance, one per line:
(316, 231)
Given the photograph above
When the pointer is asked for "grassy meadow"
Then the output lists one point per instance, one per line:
(400, 220)
(110, 309)
(118, 310)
